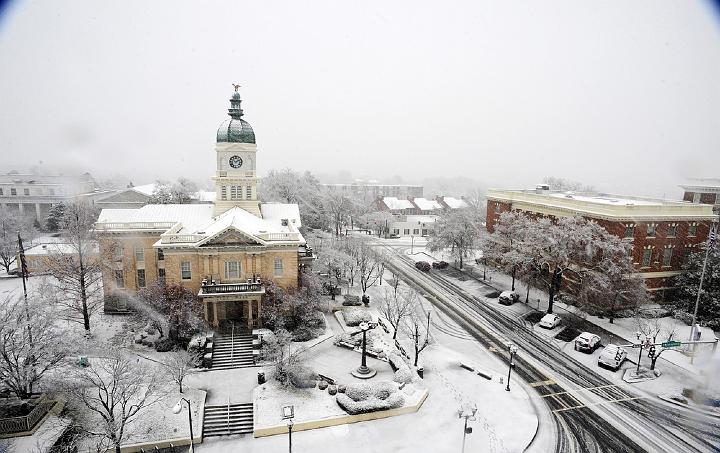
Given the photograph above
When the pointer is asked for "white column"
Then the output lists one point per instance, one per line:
(38, 212)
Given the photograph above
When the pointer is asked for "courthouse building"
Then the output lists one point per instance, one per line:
(662, 232)
(221, 251)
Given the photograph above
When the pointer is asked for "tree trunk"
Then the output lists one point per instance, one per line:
(83, 292)
(180, 382)
(513, 279)
(527, 294)
(554, 286)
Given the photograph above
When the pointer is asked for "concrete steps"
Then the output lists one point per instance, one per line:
(232, 351)
(228, 420)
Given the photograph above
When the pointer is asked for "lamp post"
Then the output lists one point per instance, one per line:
(288, 412)
(467, 414)
(176, 410)
(513, 351)
(364, 371)
(412, 244)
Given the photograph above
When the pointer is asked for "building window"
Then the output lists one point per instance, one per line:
(223, 192)
(692, 230)
(667, 256)
(119, 279)
(233, 192)
(13, 191)
(696, 197)
(278, 267)
(1, 191)
(497, 208)
(141, 278)
(232, 269)
(139, 254)
(185, 273)
(161, 274)
(26, 191)
(248, 192)
(629, 231)
(424, 232)
(672, 231)
(651, 230)
(160, 254)
(647, 257)
(416, 231)
(396, 231)
(406, 231)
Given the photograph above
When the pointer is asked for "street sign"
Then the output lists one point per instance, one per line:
(671, 344)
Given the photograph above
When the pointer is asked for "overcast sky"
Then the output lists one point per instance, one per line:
(623, 95)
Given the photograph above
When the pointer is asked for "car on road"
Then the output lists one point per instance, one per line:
(612, 357)
(423, 266)
(508, 297)
(550, 321)
(587, 342)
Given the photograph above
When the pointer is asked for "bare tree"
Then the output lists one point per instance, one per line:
(286, 358)
(368, 266)
(396, 306)
(13, 223)
(417, 328)
(112, 393)
(457, 230)
(77, 265)
(179, 364)
(25, 355)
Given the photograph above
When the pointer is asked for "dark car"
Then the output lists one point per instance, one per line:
(508, 297)
(423, 266)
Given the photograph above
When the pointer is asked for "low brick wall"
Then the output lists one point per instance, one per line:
(343, 420)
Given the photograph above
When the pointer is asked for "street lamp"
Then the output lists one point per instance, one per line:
(176, 410)
(364, 372)
(412, 244)
(288, 412)
(513, 351)
(467, 414)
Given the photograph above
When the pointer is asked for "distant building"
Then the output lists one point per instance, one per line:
(396, 206)
(418, 205)
(662, 232)
(371, 190)
(36, 194)
(703, 190)
(138, 196)
(452, 203)
(413, 225)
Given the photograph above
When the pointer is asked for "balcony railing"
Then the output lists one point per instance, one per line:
(133, 225)
(224, 288)
(27, 422)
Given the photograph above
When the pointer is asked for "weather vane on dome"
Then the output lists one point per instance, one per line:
(236, 87)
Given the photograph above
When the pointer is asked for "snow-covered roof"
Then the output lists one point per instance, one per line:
(426, 205)
(145, 189)
(455, 203)
(56, 248)
(279, 211)
(396, 203)
(192, 216)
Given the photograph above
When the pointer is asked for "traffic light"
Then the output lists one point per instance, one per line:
(651, 353)
(618, 356)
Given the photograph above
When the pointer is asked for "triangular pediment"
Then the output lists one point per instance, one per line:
(231, 236)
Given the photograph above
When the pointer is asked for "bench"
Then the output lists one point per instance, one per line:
(327, 379)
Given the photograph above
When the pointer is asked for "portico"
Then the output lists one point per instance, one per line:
(239, 302)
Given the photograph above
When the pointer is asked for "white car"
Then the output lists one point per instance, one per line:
(587, 342)
(612, 357)
(550, 321)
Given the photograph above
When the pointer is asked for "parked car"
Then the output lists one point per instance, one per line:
(508, 297)
(612, 357)
(440, 265)
(550, 321)
(587, 342)
(423, 266)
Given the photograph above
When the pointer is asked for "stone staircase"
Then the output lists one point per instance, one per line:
(232, 350)
(228, 419)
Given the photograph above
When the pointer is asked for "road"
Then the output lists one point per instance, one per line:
(591, 413)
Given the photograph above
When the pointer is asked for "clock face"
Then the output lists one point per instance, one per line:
(235, 161)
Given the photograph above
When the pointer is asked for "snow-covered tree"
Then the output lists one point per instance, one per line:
(504, 246)
(12, 223)
(564, 184)
(77, 265)
(30, 343)
(288, 186)
(111, 393)
(457, 230)
(179, 304)
(338, 209)
(179, 192)
(368, 266)
(688, 283)
(378, 221)
(417, 328)
(396, 305)
(178, 365)
(55, 216)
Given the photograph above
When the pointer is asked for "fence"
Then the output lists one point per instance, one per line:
(27, 422)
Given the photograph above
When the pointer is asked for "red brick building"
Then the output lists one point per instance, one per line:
(705, 191)
(662, 232)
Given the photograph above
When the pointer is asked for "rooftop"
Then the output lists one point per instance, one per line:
(397, 203)
(601, 205)
(426, 205)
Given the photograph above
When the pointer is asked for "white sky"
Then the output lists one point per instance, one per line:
(622, 95)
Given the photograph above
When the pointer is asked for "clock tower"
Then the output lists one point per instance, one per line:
(235, 179)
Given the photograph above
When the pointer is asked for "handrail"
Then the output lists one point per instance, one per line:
(230, 288)
(27, 422)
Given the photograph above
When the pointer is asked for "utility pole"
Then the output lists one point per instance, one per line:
(467, 414)
(710, 244)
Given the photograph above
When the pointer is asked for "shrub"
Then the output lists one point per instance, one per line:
(423, 266)
(341, 388)
(323, 385)
(683, 316)
(351, 301)
(354, 317)
(363, 398)
(302, 334)
(196, 344)
(302, 377)
(164, 345)
(332, 389)
(315, 321)
(403, 375)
